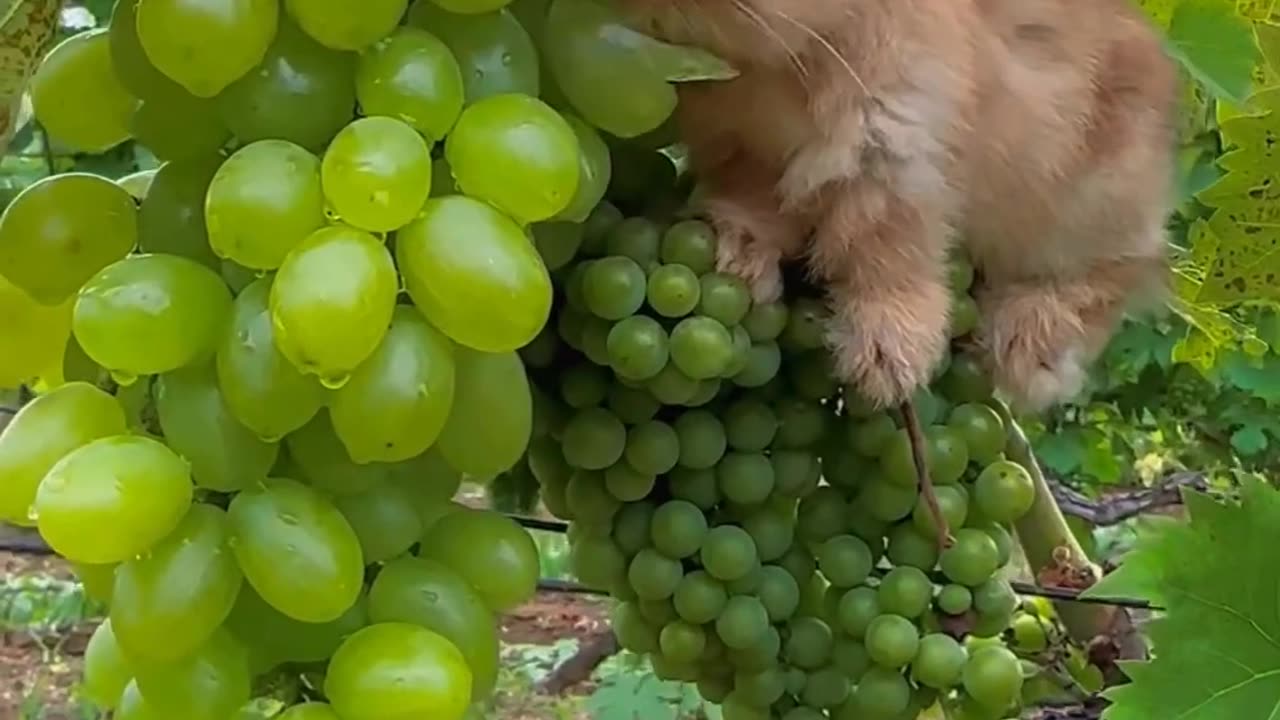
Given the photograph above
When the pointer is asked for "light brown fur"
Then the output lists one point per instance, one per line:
(871, 135)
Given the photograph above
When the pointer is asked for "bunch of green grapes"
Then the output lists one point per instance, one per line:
(264, 366)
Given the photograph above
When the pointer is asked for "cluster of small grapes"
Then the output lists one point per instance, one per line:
(268, 487)
(762, 529)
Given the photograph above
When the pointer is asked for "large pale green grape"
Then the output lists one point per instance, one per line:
(331, 302)
(395, 671)
(384, 519)
(178, 305)
(495, 53)
(61, 230)
(262, 389)
(302, 92)
(112, 499)
(280, 638)
(297, 550)
(492, 417)
(515, 152)
(338, 24)
(594, 171)
(474, 274)
(33, 336)
(396, 403)
(178, 126)
(42, 433)
(130, 61)
(224, 454)
(171, 219)
(495, 555)
(167, 603)
(77, 97)
(412, 76)
(205, 45)
(376, 174)
(429, 594)
(323, 459)
(262, 202)
(106, 669)
(209, 685)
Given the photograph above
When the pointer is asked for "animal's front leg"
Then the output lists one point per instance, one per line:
(882, 260)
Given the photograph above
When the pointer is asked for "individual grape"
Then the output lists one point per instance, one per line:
(679, 529)
(106, 669)
(845, 560)
(60, 231)
(495, 555)
(411, 75)
(761, 688)
(724, 298)
(795, 472)
(672, 387)
(280, 638)
(822, 515)
(377, 174)
(728, 553)
(310, 711)
(76, 75)
(593, 439)
(637, 347)
(909, 547)
(965, 381)
(397, 401)
(429, 480)
(178, 126)
(993, 677)
(953, 501)
(260, 387)
(557, 242)
(297, 551)
(826, 688)
(892, 641)
(1003, 540)
(762, 364)
(806, 325)
(763, 653)
(964, 316)
(613, 287)
(323, 460)
(701, 347)
(332, 302)
(871, 436)
(809, 643)
(209, 685)
(533, 145)
(493, 51)
(955, 599)
(699, 598)
(628, 484)
(882, 694)
(939, 662)
(224, 455)
(1029, 634)
(886, 501)
(489, 427)
(673, 291)
(772, 530)
(263, 202)
(206, 45)
(598, 563)
(971, 559)
(129, 61)
(702, 439)
(43, 432)
(654, 576)
(394, 670)
(652, 447)
(905, 591)
(857, 609)
(384, 519)
(491, 292)
(333, 24)
(743, 622)
(168, 603)
(638, 238)
(1004, 491)
(982, 429)
(765, 321)
(112, 499)
(633, 631)
(745, 478)
(584, 386)
(171, 218)
(750, 425)
(430, 595)
(594, 171)
(699, 487)
(301, 91)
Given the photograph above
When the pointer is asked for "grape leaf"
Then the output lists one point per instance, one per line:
(1216, 45)
(1249, 440)
(1217, 647)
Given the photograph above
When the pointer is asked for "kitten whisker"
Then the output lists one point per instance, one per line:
(826, 44)
(773, 35)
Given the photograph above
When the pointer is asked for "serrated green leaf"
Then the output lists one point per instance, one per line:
(1249, 440)
(1216, 45)
(1217, 647)
(1061, 452)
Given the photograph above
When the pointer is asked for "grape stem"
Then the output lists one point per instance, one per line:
(918, 453)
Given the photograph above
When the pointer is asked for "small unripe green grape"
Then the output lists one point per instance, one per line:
(337, 24)
(178, 305)
(595, 170)
(261, 388)
(77, 97)
(376, 174)
(171, 219)
(332, 300)
(209, 685)
(297, 551)
(366, 679)
(474, 274)
(491, 421)
(493, 50)
(262, 202)
(205, 45)
(112, 499)
(167, 603)
(515, 152)
(61, 230)
(395, 404)
(411, 75)
(302, 92)
(179, 126)
(106, 669)
(42, 433)
(224, 454)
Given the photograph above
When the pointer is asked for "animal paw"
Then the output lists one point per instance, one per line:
(754, 263)
(1036, 351)
(887, 349)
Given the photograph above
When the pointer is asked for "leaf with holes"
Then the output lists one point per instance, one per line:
(1217, 646)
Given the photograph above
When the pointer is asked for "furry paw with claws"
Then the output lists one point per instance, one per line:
(1035, 349)
(887, 349)
(755, 263)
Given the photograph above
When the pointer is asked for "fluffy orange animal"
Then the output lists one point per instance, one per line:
(870, 136)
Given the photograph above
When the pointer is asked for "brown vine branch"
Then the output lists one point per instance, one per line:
(920, 456)
(1116, 507)
(578, 668)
